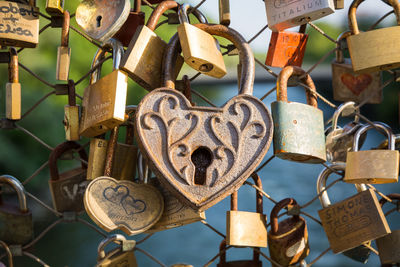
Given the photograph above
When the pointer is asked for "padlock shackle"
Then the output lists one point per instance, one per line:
(13, 73)
(143, 169)
(353, 25)
(65, 29)
(19, 189)
(275, 211)
(184, 17)
(396, 196)
(259, 196)
(339, 111)
(339, 46)
(246, 56)
(111, 238)
(111, 147)
(137, 6)
(8, 252)
(323, 177)
(130, 134)
(71, 93)
(382, 127)
(159, 11)
(281, 84)
(58, 151)
(222, 253)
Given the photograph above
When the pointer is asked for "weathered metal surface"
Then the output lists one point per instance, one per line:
(117, 257)
(365, 48)
(339, 4)
(255, 262)
(71, 115)
(97, 158)
(63, 51)
(289, 13)
(55, 7)
(13, 88)
(224, 12)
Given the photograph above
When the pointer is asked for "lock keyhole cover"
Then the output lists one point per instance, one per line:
(201, 159)
(98, 19)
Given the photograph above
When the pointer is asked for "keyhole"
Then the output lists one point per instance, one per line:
(98, 19)
(201, 159)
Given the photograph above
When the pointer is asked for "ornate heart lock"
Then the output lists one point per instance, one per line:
(203, 154)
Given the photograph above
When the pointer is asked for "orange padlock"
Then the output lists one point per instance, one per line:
(287, 48)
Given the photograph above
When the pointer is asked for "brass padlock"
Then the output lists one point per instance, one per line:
(200, 49)
(134, 20)
(360, 253)
(64, 52)
(120, 256)
(349, 86)
(13, 88)
(339, 4)
(373, 50)
(298, 128)
(97, 157)
(283, 14)
(388, 246)
(55, 7)
(197, 162)
(288, 240)
(339, 140)
(378, 166)
(255, 262)
(22, 28)
(71, 115)
(224, 12)
(104, 100)
(351, 222)
(100, 19)
(247, 229)
(16, 221)
(287, 48)
(67, 188)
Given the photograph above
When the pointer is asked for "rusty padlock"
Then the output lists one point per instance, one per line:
(67, 188)
(71, 114)
(376, 166)
(13, 88)
(16, 220)
(288, 240)
(287, 48)
(247, 229)
(64, 52)
(298, 128)
(123, 255)
(351, 222)
(197, 168)
(389, 245)
(255, 262)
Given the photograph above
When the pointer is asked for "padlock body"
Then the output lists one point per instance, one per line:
(121, 259)
(143, 59)
(13, 101)
(298, 132)
(246, 229)
(200, 51)
(103, 105)
(286, 49)
(23, 30)
(349, 86)
(372, 167)
(290, 244)
(55, 7)
(287, 14)
(128, 29)
(339, 4)
(124, 162)
(367, 53)
(353, 221)
(16, 226)
(71, 123)
(389, 248)
(360, 253)
(97, 158)
(240, 263)
(63, 60)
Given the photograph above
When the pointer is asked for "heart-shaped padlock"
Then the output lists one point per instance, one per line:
(203, 154)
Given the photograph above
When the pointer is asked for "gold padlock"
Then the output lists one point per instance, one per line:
(55, 7)
(247, 229)
(120, 256)
(224, 12)
(13, 88)
(71, 115)
(64, 52)
(200, 49)
(376, 166)
(104, 100)
(97, 157)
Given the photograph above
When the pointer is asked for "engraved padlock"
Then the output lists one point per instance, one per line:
(376, 166)
(19, 24)
(71, 114)
(224, 12)
(298, 128)
(104, 100)
(247, 229)
(288, 240)
(373, 50)
(283, 14)
(123, 255)
(353, 221)
(255, 262)
(349, 86)
(13, 88)
(339, 140)
(287, 48)
(64, 52)
(389, 245)
(16, 220)
(67, 189)
(200, 49)
(208, 152)
(97, 157)
(102, 19)
(55, 7)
